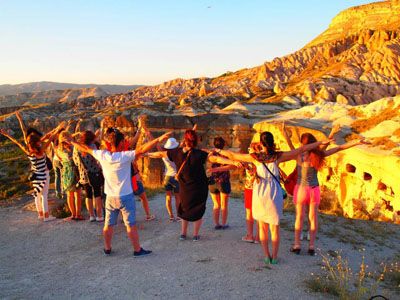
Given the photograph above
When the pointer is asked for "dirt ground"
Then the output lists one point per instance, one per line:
(64, 259)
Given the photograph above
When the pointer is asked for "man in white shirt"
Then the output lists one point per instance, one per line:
(118, 187)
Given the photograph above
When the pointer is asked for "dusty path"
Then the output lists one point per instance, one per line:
(64, 260)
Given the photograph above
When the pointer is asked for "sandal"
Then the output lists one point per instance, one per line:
(150, 217)
(79, 218)
(172, 219)
(295, 250)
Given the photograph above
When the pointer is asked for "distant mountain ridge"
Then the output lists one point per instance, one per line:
(42, 86)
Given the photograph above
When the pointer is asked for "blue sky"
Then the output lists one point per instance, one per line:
(148, 42)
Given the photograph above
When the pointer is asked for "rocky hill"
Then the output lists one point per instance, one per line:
(34, 87)
(52, 96)
(348, 75)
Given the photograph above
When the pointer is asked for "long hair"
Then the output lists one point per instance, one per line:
(33, 140)
(317, 157)
(87, 137)
(114, 136)
(190, 138)
(267, 140)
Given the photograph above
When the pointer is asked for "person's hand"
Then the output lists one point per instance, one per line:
(335, 129)
(194, 127)
(164, 137)
(327, 142)
(238, 164)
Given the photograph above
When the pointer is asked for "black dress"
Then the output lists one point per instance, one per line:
(193, 185)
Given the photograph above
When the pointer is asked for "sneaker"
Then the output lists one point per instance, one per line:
(182, 237)
(49, 218)
(226, 226)
(141, 253)
(92, 219)
(308, 236)
(150, 217)
(218, 227)
(107, 252)
(196, 238)
(274, 261)
(267, 260)
(247, 239)
(99, 219)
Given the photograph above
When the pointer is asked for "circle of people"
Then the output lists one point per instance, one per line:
(107, 161)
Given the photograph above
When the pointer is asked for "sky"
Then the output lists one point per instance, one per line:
(151, 41)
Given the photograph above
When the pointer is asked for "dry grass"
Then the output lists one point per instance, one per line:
(338, 279)
(364, 124)
(384, 143)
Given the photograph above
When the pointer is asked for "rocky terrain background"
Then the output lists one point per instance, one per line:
(348, 75)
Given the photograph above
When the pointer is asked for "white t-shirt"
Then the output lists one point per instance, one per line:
(116, 170)
(170, 167)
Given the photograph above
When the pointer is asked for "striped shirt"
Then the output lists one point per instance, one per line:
(38, 166)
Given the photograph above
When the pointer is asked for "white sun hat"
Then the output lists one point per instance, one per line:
(171, 143)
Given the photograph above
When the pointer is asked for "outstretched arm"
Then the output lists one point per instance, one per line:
(335, 129)
(147, 146)
(159, 154)
(289, 155)
(221, 169)
(286, 136)
(236, 156)
(343, 147)
(3, 132)
(224, 161)
(22, 125)
(82, 147)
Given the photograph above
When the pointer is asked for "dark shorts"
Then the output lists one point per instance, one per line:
(220, 187)
(171, 184)
(139, 188)
(93, 188)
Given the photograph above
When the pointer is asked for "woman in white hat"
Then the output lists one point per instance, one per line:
(171, 185)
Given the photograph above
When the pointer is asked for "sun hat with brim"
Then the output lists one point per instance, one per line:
(171, 143)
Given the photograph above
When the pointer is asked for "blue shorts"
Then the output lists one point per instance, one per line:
(171, 184)
(125, 204)
(220, 187)
(140, 189)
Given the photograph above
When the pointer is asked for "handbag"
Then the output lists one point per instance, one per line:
(290, 182)
(284, 193)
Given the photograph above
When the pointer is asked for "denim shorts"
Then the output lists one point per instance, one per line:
(139, 190)
(171, 184)
(125, 204)
(220, 187)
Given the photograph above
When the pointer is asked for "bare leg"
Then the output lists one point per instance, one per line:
(71, 203)
(78, 202)
(298, 225)
(168, 204)
(249, 223)
(184, 227)
(133, 237)
(313, 216)
(99, 206)
(196, 228)
(107, 233)
(145, 204)
(224, 208)
(217, 204)
(263, 229)
(89, 206)
(275, 238)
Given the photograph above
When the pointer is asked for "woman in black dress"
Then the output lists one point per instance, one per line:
(193, 182)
